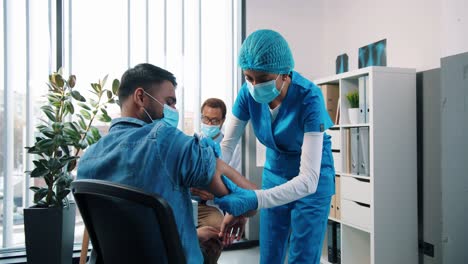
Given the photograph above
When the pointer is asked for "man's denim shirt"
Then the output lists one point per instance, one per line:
(159, 159)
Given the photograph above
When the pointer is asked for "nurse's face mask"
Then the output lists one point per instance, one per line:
(264, 92)
(171, 115)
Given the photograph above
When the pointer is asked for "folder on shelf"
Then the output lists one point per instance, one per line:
(338, 197)
(337, 117)
(362, 99)
(333, 207)
(363, 156)
(354, 150)
(338, 243)
(331, 239)
(347, 152)
(366, 81)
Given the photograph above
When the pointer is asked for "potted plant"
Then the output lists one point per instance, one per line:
(353, 110)
(62, 135)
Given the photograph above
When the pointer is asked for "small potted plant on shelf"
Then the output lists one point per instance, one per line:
(353, 110)
(61, 136)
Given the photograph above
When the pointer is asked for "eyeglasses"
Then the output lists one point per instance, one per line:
(213, 121)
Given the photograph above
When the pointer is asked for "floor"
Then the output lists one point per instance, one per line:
(240, 256)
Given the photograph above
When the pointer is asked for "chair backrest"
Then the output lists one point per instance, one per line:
(127, 225)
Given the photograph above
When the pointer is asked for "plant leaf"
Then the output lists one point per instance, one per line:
(109, 94)
(115, 86)
(39, 172)
(77, 96)
(93, 103)
(71, 165)
(103, 83)
(50, 114)
(72, 81)
(82, 122)
(85, 106)
(85, 114)
(104, 111)
(40, 194)
(95, 132)
(58, 79)
(34, 188)
(45, 143)
(69, 106)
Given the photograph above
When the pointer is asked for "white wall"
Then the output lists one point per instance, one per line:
(454, 27)
(298, 21)
(418, 32)
(412, 30)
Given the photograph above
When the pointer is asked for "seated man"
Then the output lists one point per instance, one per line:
(213, 115)
(145, 149)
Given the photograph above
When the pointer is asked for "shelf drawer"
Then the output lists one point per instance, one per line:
(336, 138)
(354, 189)
(337, 161)
(356, 214)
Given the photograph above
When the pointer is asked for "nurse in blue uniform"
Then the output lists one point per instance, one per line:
(288, 116)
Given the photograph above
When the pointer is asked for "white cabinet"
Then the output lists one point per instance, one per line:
(375, 159)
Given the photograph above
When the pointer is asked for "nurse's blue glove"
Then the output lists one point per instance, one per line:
(239, 201)
(208, 142)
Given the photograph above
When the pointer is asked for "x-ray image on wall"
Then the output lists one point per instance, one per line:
(342, 63)
(374, 54)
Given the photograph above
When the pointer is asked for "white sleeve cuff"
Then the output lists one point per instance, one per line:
(234, 130)
(303, 184)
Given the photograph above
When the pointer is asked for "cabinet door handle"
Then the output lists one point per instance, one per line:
(363, 204)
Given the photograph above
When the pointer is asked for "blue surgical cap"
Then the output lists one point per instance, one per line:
(266, 51)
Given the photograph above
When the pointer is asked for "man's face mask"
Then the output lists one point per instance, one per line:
(171, 115)
(210, 130)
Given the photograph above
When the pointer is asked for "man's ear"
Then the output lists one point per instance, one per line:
(138, 96)
(222, 123)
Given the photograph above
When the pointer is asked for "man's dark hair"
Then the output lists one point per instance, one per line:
(215, 103)
(143, 75)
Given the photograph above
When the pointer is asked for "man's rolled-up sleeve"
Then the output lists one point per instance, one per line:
(197, 164)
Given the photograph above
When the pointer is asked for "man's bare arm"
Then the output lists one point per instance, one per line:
(217, 186)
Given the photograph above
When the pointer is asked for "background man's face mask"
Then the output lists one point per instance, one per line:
(171, 115)
(210, 130)
(264, 92)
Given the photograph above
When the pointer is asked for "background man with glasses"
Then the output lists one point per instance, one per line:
(213, 115)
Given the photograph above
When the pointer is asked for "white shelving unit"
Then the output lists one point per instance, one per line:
(378, 223)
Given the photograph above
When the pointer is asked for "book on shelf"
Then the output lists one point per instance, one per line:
(354, 150)
(362, 99)
(363, 151)
(347, 157)
(331, 240)
(337, 116)
(338, 244)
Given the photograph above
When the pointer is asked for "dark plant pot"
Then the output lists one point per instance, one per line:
(49, 234)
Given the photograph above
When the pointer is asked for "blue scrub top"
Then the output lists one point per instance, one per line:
(302, 110)
(159, 159)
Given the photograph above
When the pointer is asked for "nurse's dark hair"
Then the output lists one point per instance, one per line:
(215, 103)
(143, 75)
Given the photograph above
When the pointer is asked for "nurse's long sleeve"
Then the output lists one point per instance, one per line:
(234, 130)
(303, 184)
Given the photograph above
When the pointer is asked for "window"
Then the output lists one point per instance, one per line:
(195, 40)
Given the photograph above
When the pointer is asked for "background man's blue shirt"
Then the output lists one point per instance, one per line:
(158, 159)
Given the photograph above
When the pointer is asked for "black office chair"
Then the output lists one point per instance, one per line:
(127, 225)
